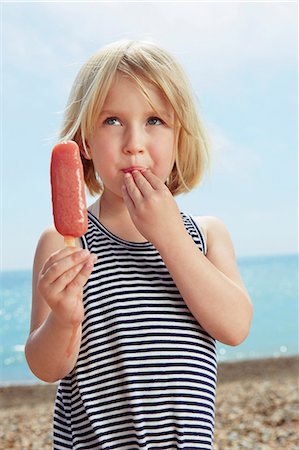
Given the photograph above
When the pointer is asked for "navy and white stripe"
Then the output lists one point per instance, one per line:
(146, 372)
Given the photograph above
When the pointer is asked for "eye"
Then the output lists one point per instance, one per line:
(112, 121)
(155, 121)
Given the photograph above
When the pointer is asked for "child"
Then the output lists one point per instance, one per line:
(128, 319)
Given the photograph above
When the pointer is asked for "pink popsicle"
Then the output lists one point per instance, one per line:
(68, 195)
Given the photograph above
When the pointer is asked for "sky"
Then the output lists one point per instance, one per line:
(242, 61)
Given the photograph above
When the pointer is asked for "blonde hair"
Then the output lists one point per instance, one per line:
(142, 61)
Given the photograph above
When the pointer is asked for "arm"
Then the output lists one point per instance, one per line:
(59, 275)
(211, 286)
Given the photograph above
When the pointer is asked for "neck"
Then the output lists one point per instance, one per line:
(114, 215)
(112, 205)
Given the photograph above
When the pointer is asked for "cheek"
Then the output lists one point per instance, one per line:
(167, 152)
(102, 155)
(164, 164)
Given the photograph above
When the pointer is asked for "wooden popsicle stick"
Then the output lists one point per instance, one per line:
(69, 241)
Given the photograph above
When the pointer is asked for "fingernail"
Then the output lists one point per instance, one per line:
(93, 257)
(89, 264)
(91, 261)
(84, 252)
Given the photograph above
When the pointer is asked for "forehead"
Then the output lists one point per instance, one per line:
(124, 87)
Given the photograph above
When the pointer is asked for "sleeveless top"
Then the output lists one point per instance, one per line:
(145, 377)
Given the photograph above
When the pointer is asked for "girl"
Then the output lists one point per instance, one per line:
(128, 319)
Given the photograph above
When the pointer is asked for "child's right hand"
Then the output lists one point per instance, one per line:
(61, 281)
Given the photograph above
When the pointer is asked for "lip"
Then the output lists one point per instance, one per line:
(130, 169)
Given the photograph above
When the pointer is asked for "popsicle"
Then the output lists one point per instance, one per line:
(68, 195)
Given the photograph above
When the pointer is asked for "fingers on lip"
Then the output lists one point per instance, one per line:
(135, 169)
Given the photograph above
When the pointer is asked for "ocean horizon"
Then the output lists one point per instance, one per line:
(272, 282)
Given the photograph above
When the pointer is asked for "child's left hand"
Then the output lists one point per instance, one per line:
(152, 207)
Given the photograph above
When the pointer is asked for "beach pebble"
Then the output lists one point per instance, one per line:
(254, 410)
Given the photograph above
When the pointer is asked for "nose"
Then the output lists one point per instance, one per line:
(134, 141)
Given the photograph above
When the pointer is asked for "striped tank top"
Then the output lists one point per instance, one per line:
(145, 377)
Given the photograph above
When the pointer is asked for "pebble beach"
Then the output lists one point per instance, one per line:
(257, 408)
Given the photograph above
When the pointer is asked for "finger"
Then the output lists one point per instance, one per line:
(81, 278)
(142, 183)
(60, 266)
(64, 281)
(132, 188)
(75, 278)
(153, 180)
(60, 254)
(127, 199)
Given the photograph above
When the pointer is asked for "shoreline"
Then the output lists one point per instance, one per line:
(257, 405)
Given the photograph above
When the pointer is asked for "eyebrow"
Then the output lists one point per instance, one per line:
(162, 112)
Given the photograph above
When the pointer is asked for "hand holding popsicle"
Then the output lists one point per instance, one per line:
(61, 282)
(68, 196)
(65, 272)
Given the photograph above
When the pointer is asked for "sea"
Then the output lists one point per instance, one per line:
(272, 282)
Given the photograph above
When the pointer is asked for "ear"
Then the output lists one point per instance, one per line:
(85, 150)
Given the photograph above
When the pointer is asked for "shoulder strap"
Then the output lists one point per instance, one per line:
(196, 223)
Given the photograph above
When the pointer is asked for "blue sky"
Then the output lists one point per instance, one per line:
(242, 61)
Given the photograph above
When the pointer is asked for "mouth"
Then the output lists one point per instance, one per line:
(130, 169)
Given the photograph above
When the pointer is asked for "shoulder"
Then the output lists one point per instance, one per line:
(49, 242)
(50, 236)
(212, 228)
(216, 234)
(220, 249)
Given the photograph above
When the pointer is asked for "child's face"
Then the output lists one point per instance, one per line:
(130, 133)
